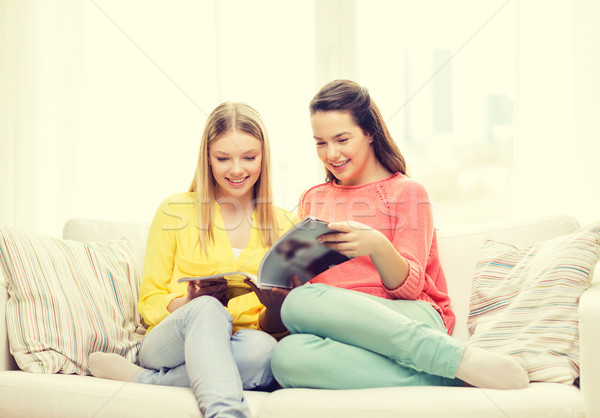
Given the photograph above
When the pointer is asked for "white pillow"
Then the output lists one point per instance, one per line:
(68, 299)
(524, 301)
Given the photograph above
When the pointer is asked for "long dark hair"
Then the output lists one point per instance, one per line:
(349, 96)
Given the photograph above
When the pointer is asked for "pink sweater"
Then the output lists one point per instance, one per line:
(399, 207)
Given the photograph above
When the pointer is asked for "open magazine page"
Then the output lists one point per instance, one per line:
(219, 276)
(297, 252)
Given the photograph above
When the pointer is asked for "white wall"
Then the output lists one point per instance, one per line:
(586, 99)
(102, 103)
(558, 97)
(544, 109)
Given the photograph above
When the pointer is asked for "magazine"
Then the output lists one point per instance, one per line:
(296, 252)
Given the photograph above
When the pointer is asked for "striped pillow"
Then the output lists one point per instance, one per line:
(524, 301)
(68, 299)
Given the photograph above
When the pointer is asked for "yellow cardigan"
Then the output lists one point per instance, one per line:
(173, 252)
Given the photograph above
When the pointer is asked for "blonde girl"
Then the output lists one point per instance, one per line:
(199, 335)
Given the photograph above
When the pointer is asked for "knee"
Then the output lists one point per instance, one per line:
(204, 303)
(257, 346)
(295, 305)
(205, 307)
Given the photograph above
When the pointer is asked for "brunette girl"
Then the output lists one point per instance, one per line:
(384, 317)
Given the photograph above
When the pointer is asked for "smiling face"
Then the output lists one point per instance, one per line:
(343, 147)
(235, 159)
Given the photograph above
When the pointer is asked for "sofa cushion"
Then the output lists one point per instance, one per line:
(85, 396)
(525, 301)
(539, 400)
(68, 299)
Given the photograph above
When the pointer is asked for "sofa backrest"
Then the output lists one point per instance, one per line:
(87, 230)
(458, 248)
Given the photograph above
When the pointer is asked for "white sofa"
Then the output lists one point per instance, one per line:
(24, 394)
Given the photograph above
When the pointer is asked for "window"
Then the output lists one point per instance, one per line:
(443, 75)
(267, 59)
(116, 93)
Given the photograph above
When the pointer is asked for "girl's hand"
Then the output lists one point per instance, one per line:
(272, 299)
(353, 239)
(213, 287)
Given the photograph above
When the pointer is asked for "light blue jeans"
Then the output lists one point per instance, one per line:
(344, 339)
(193, 347)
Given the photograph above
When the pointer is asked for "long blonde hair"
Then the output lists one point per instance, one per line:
(225, 117)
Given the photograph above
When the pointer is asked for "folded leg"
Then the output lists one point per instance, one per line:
(309, 361)
(194, 343)
(409, 332)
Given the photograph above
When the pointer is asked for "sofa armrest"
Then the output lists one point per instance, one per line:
(7, 362)
(589, 330)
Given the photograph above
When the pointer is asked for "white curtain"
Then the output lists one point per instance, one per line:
(96, 107)
(40, 109)
(102, 102)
